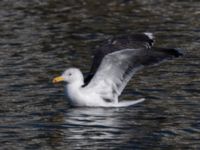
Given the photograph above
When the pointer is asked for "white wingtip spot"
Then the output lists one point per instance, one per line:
(150, 35)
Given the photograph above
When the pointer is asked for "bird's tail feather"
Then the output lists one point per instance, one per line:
(126, 103)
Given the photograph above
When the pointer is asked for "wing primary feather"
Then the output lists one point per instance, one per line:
(119, 43)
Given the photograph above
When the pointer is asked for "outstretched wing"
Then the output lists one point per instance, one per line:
(117, 68)
(144, 40)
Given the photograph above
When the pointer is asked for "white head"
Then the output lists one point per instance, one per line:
(71, 75)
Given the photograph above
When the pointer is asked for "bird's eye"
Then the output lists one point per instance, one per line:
(69, 74)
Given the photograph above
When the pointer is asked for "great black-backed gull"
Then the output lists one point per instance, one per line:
(114, 64)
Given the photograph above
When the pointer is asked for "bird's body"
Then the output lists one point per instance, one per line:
(82, 96)
(86, 96)
(114, 65)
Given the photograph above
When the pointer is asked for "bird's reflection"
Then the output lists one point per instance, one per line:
(77, 127)
(85, 127)
(93, 123)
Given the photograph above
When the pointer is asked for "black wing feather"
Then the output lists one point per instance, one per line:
(117, 44)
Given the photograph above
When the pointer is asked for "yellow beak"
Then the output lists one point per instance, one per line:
(58, 79)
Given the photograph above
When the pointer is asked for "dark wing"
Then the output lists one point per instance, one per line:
(119, 43)
(117, 68)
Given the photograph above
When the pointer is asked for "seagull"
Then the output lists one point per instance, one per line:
(115, 62)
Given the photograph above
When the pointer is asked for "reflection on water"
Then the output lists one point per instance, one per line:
(39, 39)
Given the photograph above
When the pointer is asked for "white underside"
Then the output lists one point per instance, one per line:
(126, 103)
(89, 97)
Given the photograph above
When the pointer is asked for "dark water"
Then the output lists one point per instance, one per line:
(41, 38)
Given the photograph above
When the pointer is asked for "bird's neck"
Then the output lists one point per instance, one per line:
(73, 91)
(74, 86)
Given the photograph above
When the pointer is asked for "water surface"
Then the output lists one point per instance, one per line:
(39, 39)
